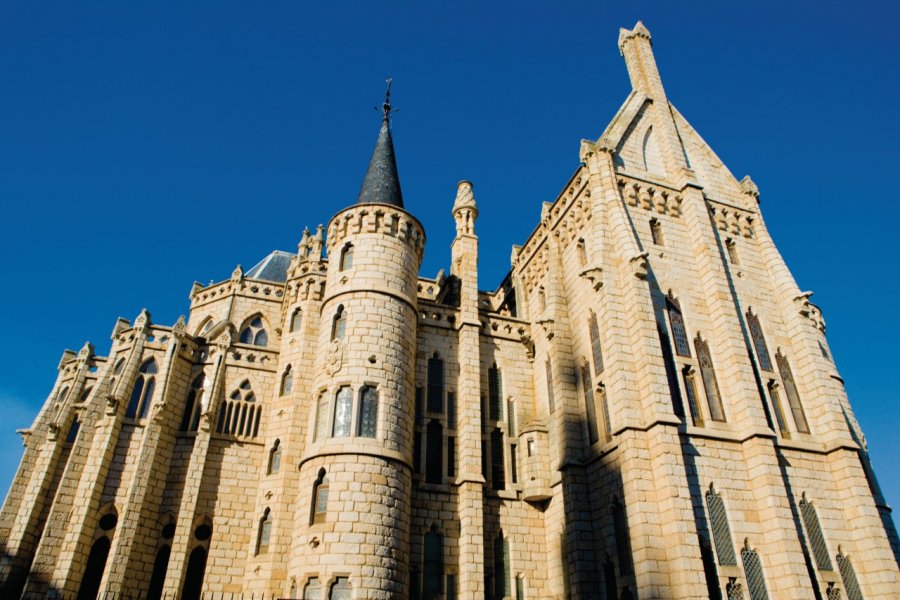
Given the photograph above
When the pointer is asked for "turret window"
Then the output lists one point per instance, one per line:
(759, 341)
(339, 324)
(265, 533)
(341, 589)
(287, 381)
(343, 407)
(274, 458)
(346, 257)
(321, 427)
(368, 412)
(254, 333)
(296, 320)
(142, 393)
(313, 589)
(319, 506)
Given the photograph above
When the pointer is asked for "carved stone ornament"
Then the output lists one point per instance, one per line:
(179, 327)
(641, 265)
(237, 274)
(86, 351)
(547, 326)
(143, 319)
(594, 274)
(53, 430)
(586, 150)
(810, 311)
(529, 346)
(335, 357)
(112, 403)
(748, 186)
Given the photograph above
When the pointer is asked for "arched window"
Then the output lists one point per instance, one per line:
(346, 257)
(848, 576)
(587, 388)
(623, 537)
(501, 566)
(731, 248)
(790, 388)
(814, 533)
(117, 369)
(274, 458)
(656, 232)
(142, 393)
(196, 569)
(93, 571)
(776, 405)
(495, 393)
(339, 324)
(709, 568)
(85, 394)
(254, 333)
(265, 533)
(321, 429)
(341, 589)
(343, 407)
(433, 564)
(679, 332)
(287, 381)
(313, 589)
(759, 341)
(190, 419)
(158, 577)
(319, 508)
(435, 401)
(708, 374)
(721, 530)
(296, 320)
(582, 253)
(239, 415)
(368, 412)
(596, 350)
(690, 388)
(434, 452)
(73, 431)
(498, 466)
(756, 581)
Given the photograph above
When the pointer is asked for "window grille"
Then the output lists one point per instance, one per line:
(434, 452)
(790, 388)
(734, 590)
(498, 470)
(343, 407)
(814, 532)
(759, 341)
(587, 385)
(368, 412)
(435, 384)
(833, 592)
(848, 576)
(721, 530)
(679, 332)
(756, 582)
(495, 392)
(708, 374)
(550, 399)
(433, 563)
(596, 350)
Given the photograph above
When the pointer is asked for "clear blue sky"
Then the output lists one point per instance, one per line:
(143, 147)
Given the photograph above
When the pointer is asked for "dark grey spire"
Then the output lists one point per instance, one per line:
(382, 184)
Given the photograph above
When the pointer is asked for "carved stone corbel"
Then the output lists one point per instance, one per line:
(547, 325)
(594, 274)
(641, 265)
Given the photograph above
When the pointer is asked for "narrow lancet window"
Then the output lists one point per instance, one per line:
(815, 535)
(190, 419)
(346, 257)
(142, 393)
(435, 384)
(275, 458)
(498, 469)
(708, 373)
(721, 530)
(343, 407)
(287, 381)
(265, 533)
(433, 564)
(319, 507)
(596, 350)
(759, 341)
(587, 388)
(339, 324)
(495, 392)
(368, 412)
(434, 452)
(296, 320)
(679, 332)
(756, 581)
(790, 388)
(656, 232)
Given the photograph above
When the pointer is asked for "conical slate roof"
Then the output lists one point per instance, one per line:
(382, 184)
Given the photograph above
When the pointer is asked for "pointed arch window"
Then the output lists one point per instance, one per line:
(721, 530)
(254, 333)
(265, 533)
(435, 400)
(582, 252)
(240, 415)
(656, 232)
(319, 508)
(498, 464)
(368, 412)
(274, 458)
(848, 576)
(587, 388)
(542, 299)
(495, 392)
(346, 257)
(117, 370)
(779, 410)
(190, 419)
(142, 393)
(759, 341)
(690, 389)
(85, 394)
(814, 533)
(679, 332)
(501, 566)
(296, 320)
(434, 452)
(287, 381)
(433, 563)
(708, 374)
(196, 570)
(623, 538)
(73, 431)
(756, 581)
(339, 324)
(731, 248)
(596, 350)
(343, 407)
(158, 576)
(790, 388)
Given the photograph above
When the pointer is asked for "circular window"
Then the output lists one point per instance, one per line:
(109, 521)
(203, 532)
(168, 531)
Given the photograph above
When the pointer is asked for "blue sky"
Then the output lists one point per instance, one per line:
(144, 146)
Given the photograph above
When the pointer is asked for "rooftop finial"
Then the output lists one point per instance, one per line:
(386, 107)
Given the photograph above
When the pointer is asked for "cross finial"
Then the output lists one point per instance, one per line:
(386, 107)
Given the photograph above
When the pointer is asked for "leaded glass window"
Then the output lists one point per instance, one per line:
(321, 417)
(495, 392)
(254, 333)
(346, 257)
(433, 563)
(265, 533)
(790, 388)
(720, 529)
(239, 415)
(319, 499)
(756, 582)
(498, 468)
(815, 535)
(343, 407)
(341, 589)
(759, 342)
(313, 589)
(275, 458)
(368, 411)
(679, 332)
(434, 452)
(339, 325)
(596, 350)
(708, 374)
(296, 320)
(142, 393)
(287, 381)
(587, 387)
(435, 384)
(848, 576)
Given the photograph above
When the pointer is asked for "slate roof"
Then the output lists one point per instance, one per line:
(273, 267)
